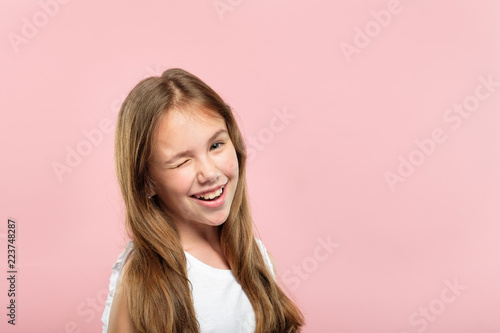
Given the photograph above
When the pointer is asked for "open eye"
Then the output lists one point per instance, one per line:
(216, 145)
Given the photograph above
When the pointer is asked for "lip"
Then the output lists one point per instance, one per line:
(215, 203)
(210, 190)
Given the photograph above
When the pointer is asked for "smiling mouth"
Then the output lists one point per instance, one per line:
(210, 196)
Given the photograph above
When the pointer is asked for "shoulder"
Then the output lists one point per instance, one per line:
(273, 262)
(119, 316)
(268, 258)
(117, 273)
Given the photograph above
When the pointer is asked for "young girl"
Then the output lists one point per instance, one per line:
(193, 264)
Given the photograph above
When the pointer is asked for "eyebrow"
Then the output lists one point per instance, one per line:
(188, 152)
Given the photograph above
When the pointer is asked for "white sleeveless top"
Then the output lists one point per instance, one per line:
(220, 303)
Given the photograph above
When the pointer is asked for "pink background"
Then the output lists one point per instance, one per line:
(316, 177)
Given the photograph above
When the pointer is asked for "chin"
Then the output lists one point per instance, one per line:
(218, 220)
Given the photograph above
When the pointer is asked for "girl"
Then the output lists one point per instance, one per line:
(193, 264)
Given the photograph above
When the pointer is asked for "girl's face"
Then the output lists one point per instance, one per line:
(194, 167)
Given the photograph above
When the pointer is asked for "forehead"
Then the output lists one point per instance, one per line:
(186, 128)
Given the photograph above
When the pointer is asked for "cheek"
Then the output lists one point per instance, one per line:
(181, 183)
(231, 165)
(173, 185)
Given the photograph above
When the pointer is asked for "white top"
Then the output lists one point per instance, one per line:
(220, 303)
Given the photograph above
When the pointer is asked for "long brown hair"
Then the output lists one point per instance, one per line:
(156, 284)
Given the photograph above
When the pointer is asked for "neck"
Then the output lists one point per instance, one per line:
(195, 235)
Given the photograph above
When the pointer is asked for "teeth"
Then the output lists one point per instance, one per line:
(211, 195)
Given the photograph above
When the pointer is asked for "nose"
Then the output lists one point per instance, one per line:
(207, 171)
